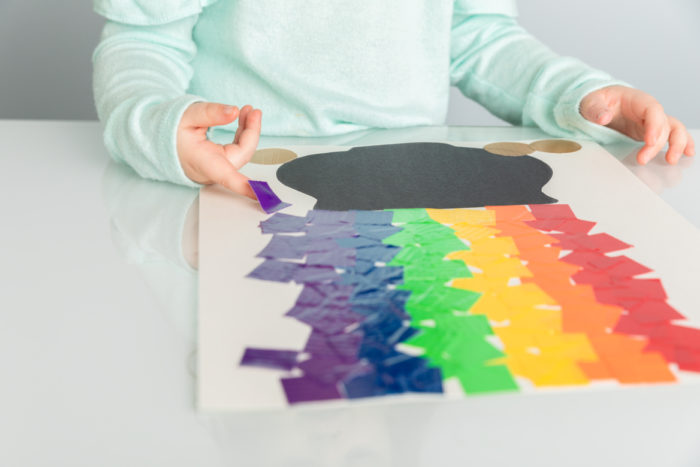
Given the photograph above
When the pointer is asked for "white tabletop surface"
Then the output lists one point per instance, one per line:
(97, 350)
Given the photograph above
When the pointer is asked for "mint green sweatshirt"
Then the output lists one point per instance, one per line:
(323, 67)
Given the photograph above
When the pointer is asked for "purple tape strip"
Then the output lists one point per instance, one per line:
(273, 270)
(331, 217)
(269, 358)
(268, 199)
(283, 223)
(339, 257)
(315, 274)
(307, 389)
(284, 247)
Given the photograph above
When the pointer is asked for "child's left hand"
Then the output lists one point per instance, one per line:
(638, 115)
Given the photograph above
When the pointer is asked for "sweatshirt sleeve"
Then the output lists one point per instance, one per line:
(497, 63)
(141, 74)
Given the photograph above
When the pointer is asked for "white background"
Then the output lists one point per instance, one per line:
(45, 49)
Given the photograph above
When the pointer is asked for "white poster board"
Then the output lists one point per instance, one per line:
(236, 312)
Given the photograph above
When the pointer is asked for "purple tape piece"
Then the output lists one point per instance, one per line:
(325, 295)
(357, 242)
(346, 345)
(283, 223)
(332, 370)
(326, 369)
(316, 274)
(273, 270)
(267, 198)
(327, 321)
(330, 217)
(270, 358)
(330, 230)
(316, 245)
(298, 311)
(306, 389)
(340, 257)
(319, 343)
(284, 246)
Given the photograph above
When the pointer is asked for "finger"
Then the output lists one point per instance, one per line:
(655, 121)
(690, 147)
(677, 141)
(241, 122)
(208, 114)
(595, 108)
(250, 136)
(656, 130)
(220, 171)
(240, 153)
(650, 150)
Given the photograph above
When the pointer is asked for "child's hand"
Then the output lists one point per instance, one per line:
(206, 162)
(639, 116)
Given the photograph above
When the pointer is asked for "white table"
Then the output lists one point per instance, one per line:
(97, 349)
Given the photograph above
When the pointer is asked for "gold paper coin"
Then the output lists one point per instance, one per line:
(509, 149)
(555, 146)
(273, 156)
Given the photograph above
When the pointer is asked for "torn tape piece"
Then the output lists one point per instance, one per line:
(268, 199)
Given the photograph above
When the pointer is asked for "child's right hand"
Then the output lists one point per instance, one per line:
(206, 162)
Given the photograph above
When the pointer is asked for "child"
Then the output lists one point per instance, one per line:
(325, 67)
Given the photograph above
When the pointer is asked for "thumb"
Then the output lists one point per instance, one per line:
(233, 180)
(595, 108)
(208, 114)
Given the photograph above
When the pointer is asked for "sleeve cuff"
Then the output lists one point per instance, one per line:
(167, 144)
(568, 116)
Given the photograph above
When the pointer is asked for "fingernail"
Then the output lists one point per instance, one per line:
(229, 109)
